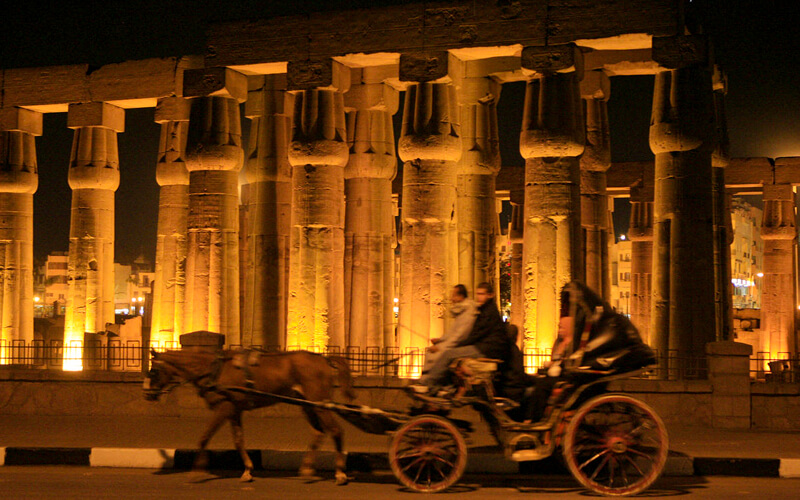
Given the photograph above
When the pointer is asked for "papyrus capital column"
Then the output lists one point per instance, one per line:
(19, 179)
(369, 218)
(552, 139)
(778, 297)
(266, 214)
(682, 136)
(430, 147)
(93, 177)
(213, 158)
(318, 153)
(172, 113)
(640, 232)
(595, 162)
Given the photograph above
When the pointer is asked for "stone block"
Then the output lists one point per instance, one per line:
(309, 74)
(731, 423)
(728, 348)
(674, 52)
(202, 339)
(728, 386)
(172, 109)
(96, 114)
(20, 119)
(423, 66)
(595, 85)
(553, 59)
(223, 82)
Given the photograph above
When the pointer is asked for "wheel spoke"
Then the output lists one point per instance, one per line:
(412, 463)
(643, 455)
(584, 464)
(604, 462)
(409, 454)
(633, 463)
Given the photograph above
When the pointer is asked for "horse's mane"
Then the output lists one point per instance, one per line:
(192, 363)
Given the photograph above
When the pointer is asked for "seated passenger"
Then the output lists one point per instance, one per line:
(591, 336)
(487, 339)
(464, 311)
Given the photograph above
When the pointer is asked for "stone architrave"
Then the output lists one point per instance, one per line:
(723, 226)
(93, 177)
(173, 209)
(551, 141)
(682, 136)
(369, 217)
(266, 214)
(430, 147)
(213, 158)
(595, 162)
(318, 154)
(778, 297)
(477, 219)
(19, 179)
(640, 232)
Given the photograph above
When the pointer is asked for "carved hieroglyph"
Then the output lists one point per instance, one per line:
(93, 177)
(19, 179)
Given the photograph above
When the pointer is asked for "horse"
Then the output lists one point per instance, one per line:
(228, 381)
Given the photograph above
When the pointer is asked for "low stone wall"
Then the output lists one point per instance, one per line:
(775, 407)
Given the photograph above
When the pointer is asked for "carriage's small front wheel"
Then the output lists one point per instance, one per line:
(428, 454)
(615, 445)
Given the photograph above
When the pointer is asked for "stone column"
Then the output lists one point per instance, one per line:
(430, 147)
(266, 215)
(93, 177)
(476, 204)
(723, 226)
(682, 136)
(213, 157)
(640, 232)
(173, 208)
(595, 162)
(19, 178)
(778, 300)
(551, 141)
(369, 217)
(318, 154)
(515, 239)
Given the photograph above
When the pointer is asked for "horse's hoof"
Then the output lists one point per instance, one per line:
(306, 471)
(246, 477)
(341, 479)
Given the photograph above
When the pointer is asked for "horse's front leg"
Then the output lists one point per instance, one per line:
(238, 440)
(222, 413)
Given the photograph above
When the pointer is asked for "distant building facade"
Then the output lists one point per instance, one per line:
(620, 263)
(747, 255)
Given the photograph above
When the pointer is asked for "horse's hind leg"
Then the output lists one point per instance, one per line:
(223, 412)
(238, 440)
(307, 466)
(331, 426)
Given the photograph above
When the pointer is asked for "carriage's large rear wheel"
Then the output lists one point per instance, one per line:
(615, 445)
(428, 454)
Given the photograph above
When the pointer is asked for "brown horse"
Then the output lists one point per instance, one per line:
(295, 374)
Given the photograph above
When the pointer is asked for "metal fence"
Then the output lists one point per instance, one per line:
(765, 367)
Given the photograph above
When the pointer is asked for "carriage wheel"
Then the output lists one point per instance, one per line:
(615, 445)
(428, 454)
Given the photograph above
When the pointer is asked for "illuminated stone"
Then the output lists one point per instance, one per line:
(19, 179)
(318, 154)
(169, 288)
(369, 269)
(551, 140)
(266, 214)
(430, 147)
(640, 232)
(214, 157)
(93, 177)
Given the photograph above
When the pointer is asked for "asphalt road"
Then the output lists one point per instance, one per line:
(64, 483)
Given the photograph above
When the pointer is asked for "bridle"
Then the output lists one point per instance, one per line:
(205, 382)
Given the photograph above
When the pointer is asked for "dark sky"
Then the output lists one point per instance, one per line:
(757, 42)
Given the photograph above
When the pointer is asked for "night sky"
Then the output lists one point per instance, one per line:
(756, 42)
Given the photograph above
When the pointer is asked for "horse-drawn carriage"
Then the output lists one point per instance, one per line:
(612, 443)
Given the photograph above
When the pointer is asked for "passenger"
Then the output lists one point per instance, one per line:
(487, 339)
(591, 336)
(464, 311)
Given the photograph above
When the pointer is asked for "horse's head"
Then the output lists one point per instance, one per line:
(161, 378)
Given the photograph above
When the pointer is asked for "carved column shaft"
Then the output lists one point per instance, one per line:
(369, 218)
(682, 137)
(552, 138)
(266, 215)
(515, 239)
(173, 208)
(778, 298)
(640, 232)
(318, 154)
(430, 146)
(19, 179)
(93, 177)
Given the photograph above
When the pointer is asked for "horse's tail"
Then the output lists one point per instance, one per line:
(344, 375)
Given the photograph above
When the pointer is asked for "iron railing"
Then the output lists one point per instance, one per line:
(765, 367)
